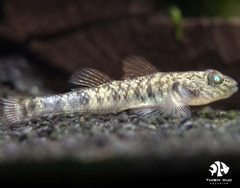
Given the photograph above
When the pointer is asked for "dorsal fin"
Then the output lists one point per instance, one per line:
(137, 66)
(89, 78)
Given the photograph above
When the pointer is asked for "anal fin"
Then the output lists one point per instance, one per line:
(146, 112)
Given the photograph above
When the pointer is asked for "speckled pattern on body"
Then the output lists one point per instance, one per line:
(143, 90)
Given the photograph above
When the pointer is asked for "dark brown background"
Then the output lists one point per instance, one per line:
(61, 36)
(43, 41)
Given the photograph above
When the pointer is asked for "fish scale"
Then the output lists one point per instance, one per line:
(143, 90)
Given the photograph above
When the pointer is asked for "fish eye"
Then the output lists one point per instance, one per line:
(217, 79)
(214, 79)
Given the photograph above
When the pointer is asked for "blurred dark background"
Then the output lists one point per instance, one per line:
(43, 42)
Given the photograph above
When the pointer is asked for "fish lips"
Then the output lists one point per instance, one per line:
(233, 90)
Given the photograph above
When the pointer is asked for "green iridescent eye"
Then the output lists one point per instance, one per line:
(217, 79)
(214, 79)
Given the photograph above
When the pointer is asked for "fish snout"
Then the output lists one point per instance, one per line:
(234, 86)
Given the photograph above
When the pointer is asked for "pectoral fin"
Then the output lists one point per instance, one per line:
(175, 105)
(177, 110)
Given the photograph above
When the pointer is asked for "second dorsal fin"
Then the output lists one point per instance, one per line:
(137, 66)
(89, 78)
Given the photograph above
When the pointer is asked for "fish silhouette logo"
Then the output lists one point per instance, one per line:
(219, 168)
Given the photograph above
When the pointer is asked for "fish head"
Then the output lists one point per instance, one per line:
(204, 87)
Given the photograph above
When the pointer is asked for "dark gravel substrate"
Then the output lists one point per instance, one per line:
(120, 149)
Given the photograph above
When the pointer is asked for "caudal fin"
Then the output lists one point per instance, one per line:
(12, 111)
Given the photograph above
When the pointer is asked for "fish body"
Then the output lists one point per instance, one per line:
(143, 90)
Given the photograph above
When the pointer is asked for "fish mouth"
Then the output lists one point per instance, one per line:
(232, 91)
(234, 88)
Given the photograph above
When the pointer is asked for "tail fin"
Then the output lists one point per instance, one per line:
(12, 111)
